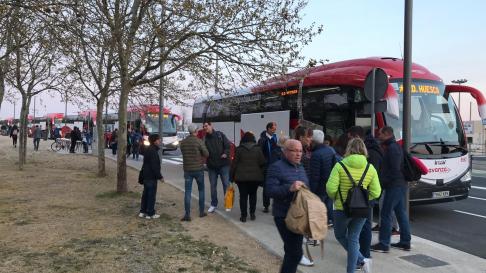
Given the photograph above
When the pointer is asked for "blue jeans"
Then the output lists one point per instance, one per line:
(223, 172)
(188, 178)
(394, 201)
(346, 231)
(366, 235)
(148, 197)
(329, 206)
(292, 246)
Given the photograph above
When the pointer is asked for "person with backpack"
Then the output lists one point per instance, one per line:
(284, 178)
(352, 183)
(395, 188)
(247, 171)
(14, 132)
(218, 161)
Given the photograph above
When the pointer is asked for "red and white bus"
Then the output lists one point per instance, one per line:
(333, 97)
(145, 118)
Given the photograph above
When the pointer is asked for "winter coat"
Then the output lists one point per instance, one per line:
(136, 138)
(151, 163)
(217, 145)
(306, 156)
(270, 149)
(193, 153)
(248, 164)
(356, 165)
(114, 137)
(375, 154)
(391, 175)
(280, 177)
(14, 131)
(322, 161)
(38, 133)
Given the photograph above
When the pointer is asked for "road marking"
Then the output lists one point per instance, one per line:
(478, 188)
(176, 159)
(172, 161)
(477, 198)
(472, 214)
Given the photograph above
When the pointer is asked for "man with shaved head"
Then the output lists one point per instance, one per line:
(285, 177)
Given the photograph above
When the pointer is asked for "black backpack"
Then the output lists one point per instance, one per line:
(357, 203)
(410, 170)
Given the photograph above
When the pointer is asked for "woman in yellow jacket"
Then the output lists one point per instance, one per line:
(347, 229)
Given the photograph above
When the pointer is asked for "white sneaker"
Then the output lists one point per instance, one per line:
(141, 215)
(367, 265)
(155, 216)
(305, 262)
(211, 209)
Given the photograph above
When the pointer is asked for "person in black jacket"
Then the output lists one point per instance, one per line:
(14, 132)
(375, 158)
(268, 142)
(218, 162)
(151, 173)
(75, 136)
(247, 171)
(395, 188)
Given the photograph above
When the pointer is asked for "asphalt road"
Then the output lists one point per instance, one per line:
(460, 225)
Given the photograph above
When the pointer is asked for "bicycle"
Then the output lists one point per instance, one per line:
(58, 144)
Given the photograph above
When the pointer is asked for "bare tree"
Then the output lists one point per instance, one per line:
(34, 65)
(6, 45)
(252, 39)
(91, 57)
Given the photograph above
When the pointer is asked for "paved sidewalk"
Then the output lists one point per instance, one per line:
(426, 256)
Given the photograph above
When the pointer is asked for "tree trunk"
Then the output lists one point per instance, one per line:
(22, 138)
(121, 174)
(101, 137)
(2, 84)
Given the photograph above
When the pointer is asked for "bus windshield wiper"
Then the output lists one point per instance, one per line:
(426, 144)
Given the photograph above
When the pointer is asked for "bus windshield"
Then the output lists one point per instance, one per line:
(434, 119)
(169, 124)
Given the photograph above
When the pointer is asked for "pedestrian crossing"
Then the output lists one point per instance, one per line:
(173, 160)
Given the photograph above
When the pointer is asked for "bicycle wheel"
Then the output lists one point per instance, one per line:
(56, 146)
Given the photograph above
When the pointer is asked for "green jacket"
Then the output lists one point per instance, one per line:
(193, 153)
(356, 165)
(248, 164)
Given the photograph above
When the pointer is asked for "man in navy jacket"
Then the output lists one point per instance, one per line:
(285, 177)
(322, 161)
(395, 188)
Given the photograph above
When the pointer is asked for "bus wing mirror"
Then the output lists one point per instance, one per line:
(476, 94)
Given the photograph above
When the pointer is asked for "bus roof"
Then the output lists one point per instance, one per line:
(350, 72)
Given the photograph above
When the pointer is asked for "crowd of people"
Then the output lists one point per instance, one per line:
(282, 166)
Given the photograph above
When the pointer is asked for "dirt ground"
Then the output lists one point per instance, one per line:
(57, 216)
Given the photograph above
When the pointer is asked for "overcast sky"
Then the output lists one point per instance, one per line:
(449, 39)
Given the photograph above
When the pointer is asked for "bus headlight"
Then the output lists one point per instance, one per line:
(466, 177)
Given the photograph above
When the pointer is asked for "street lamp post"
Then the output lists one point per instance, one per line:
(459, 82)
